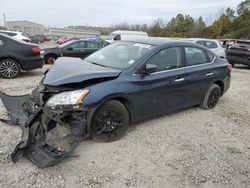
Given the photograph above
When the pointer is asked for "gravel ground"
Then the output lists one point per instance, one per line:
(191, 148)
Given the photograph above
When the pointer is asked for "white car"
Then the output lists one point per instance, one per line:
(16, 35)
(212, 44)
(125, 35)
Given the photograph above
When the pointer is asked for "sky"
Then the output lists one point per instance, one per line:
(62, 13)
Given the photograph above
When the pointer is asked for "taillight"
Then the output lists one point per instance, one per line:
(26, 40)
(36, 50)
(230, 67)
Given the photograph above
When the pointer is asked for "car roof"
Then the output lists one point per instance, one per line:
(156, 41)
(159, 41)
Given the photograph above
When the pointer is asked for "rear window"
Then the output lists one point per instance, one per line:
(210, 56)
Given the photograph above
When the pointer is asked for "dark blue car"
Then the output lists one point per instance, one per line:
(101, 96)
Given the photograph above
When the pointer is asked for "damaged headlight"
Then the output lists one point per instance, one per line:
(68, 100)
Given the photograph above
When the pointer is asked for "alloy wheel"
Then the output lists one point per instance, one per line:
(108, 123)
(9, 69)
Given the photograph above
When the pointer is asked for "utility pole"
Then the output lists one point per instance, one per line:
(4, 19)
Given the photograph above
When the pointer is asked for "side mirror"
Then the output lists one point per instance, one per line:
(150, 68)
(69, 48)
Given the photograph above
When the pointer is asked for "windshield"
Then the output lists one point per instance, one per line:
(120, 55)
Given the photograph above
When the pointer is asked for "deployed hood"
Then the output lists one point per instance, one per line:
(72, 70)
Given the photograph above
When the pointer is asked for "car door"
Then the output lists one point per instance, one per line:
(91, 46)
(74, 49)
(200, 73)
(166, 89)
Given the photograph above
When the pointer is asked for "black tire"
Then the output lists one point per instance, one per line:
(212, 97)
(9, 68)
(110, 122)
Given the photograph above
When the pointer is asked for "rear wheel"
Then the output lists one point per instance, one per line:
(9, 68)
(110, 122)
(212, 97)
(50, 59)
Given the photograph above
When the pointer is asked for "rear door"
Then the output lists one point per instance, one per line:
(200, 73)
(91, 46)
(75, 49)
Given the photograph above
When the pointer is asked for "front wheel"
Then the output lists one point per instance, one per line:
(212, 97)
(110, 122)
(9, 68)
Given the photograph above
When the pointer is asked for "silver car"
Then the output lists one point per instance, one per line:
(212, 44)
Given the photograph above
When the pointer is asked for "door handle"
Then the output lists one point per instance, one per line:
(82, 50)
(209, 74)
(179, 80)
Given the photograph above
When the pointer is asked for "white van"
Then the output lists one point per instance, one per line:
(125, 35)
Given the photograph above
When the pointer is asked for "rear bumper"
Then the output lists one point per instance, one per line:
(32, 63)
(238, 60)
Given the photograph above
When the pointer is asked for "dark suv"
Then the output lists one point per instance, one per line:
(239, 53)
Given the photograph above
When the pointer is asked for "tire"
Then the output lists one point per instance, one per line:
(50, 59)
(110, 122)
(9, 68)
(212, 97)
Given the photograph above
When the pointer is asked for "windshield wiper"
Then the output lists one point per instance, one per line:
(96, 63)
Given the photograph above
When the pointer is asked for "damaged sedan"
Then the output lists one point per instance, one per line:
(119, 85)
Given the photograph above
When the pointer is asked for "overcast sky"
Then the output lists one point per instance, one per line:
(61, 13)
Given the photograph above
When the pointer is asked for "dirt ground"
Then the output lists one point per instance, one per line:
(191, 148)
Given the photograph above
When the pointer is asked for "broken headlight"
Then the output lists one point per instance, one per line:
(67, 100)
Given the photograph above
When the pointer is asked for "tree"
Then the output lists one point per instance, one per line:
(243, 6)
(230, 13)
(199, 28)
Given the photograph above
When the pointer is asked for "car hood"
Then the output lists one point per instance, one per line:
(72, 70)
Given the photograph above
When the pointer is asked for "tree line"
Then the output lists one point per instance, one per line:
(229, 24)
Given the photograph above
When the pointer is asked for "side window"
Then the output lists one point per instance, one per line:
(201, 43)
(167, 59)
(195, 56)
(78, 44)
(211, 44)
(117, 37)
(91, 44)
(210, 56)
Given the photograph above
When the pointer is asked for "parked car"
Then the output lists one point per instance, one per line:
(102, 95)
(16, 35)
(125, 35)
(48, 38)
(212, 44)
(62, 40)
(37, 39)
(239, 53)
(77, 48)
(16, 55)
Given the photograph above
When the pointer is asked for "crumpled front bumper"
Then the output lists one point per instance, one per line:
(38, 123)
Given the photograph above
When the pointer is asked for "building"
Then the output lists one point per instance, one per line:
(67, 32)
(26, 27)
(38, 29)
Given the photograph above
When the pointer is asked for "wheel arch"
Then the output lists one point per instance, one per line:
(221, 85)
(13, 58)
(123, 100)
